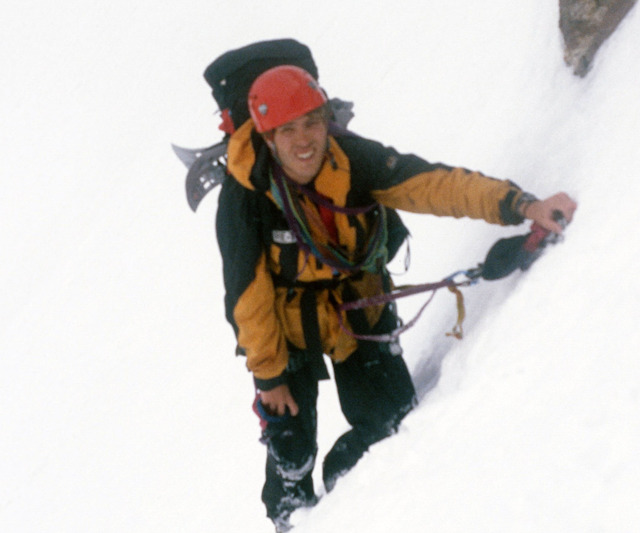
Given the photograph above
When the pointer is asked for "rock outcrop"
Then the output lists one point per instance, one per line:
(585, 25)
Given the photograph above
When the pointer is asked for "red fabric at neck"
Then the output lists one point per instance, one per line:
(329, 222)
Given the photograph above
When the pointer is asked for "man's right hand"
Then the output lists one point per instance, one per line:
(543, 211)
(278, 399)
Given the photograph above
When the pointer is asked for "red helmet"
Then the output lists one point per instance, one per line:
(282, 94)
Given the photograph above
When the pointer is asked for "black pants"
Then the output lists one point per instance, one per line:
(375, 392)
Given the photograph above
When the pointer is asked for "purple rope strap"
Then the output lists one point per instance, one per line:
(380, 299)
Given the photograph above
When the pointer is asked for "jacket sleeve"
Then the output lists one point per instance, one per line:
(455, 192)
(249, 290)
(409, 183)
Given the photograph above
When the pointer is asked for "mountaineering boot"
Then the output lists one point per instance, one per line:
(282, 524)
(342, 457)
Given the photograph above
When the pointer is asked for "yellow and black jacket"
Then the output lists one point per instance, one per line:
(265, 272)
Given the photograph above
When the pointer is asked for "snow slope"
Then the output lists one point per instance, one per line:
(122, 407)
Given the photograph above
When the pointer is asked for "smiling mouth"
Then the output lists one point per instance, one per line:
(305, 156)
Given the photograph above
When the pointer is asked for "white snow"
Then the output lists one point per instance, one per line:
(122, 406)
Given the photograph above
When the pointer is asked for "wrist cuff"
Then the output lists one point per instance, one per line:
(525, 199)
(272, 383)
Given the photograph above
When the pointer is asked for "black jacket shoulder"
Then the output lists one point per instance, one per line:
(375, 166)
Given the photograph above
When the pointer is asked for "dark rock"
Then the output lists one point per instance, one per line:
(585, 25)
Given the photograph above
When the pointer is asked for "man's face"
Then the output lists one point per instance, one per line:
(301, 145)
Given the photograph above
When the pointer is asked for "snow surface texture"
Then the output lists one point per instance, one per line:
(122, 407)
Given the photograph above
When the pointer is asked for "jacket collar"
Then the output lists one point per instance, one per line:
(248, 157)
